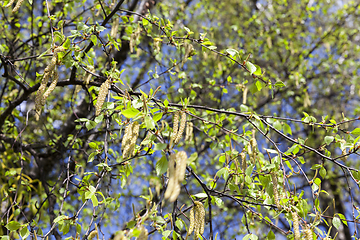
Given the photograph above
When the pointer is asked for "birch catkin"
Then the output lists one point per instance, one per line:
(296, 225)
(199, 219)
(275, 190)
(143, 234)
(103, 91)
(172, 177)
(181, 159)
(308, 234)
(181, 128)
(189, 131)
(129, 139)
(175, 126)
(50, 71)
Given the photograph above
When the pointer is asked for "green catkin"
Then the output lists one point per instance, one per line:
(296, 225)
(181, 128)
(275, 190)
(103, 91)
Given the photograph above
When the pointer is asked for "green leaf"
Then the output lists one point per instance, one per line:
(231, 52)
(218, 201)
(161, 166)
(91, 157)
(90, 124)
(287, 129)
(24, 233)
(166, 234)
(271, 236)
(322, 172)
(157, 116)
(200, 195)
(251, 67)
(277, 125)
(93, 145)
(60, 218)
(13, 226)
(160, 146)
(130, 112)
(94, 200)
(149, 122)
(279, 84)
(356, 131)
(336, 222)
(328, 139)
(258, 70)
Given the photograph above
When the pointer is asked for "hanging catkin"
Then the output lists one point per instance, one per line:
(189, 131)
(103, 91)
(172, 177)
(181, 128)
(50, 71)
(275, 190)
(296, 225)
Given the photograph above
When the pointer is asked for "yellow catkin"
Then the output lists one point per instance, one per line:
(172, 178)
(51, 88)
(296, 225)
(126, 140)
(134, 137)
(192, 221)
(93, 234)
(308, 234)
(103, 91)
(189, 131)
(10, 3)
(175, 126)
(143, 234)
(17, 6)
(114, 27)
(120, 236)
(48, 72)
(181, 159)
(175, 192)
(199, 219)
(243, 161)
(181, 128)
(275, 190)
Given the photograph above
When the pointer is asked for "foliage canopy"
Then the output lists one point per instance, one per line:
(179, 119)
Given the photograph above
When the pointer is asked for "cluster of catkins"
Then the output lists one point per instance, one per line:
(129, 139)
(179, 130)
(197, 220)
(50, 71)
(176, 173)
(17, 6)
(103, 91)
(307, 233)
